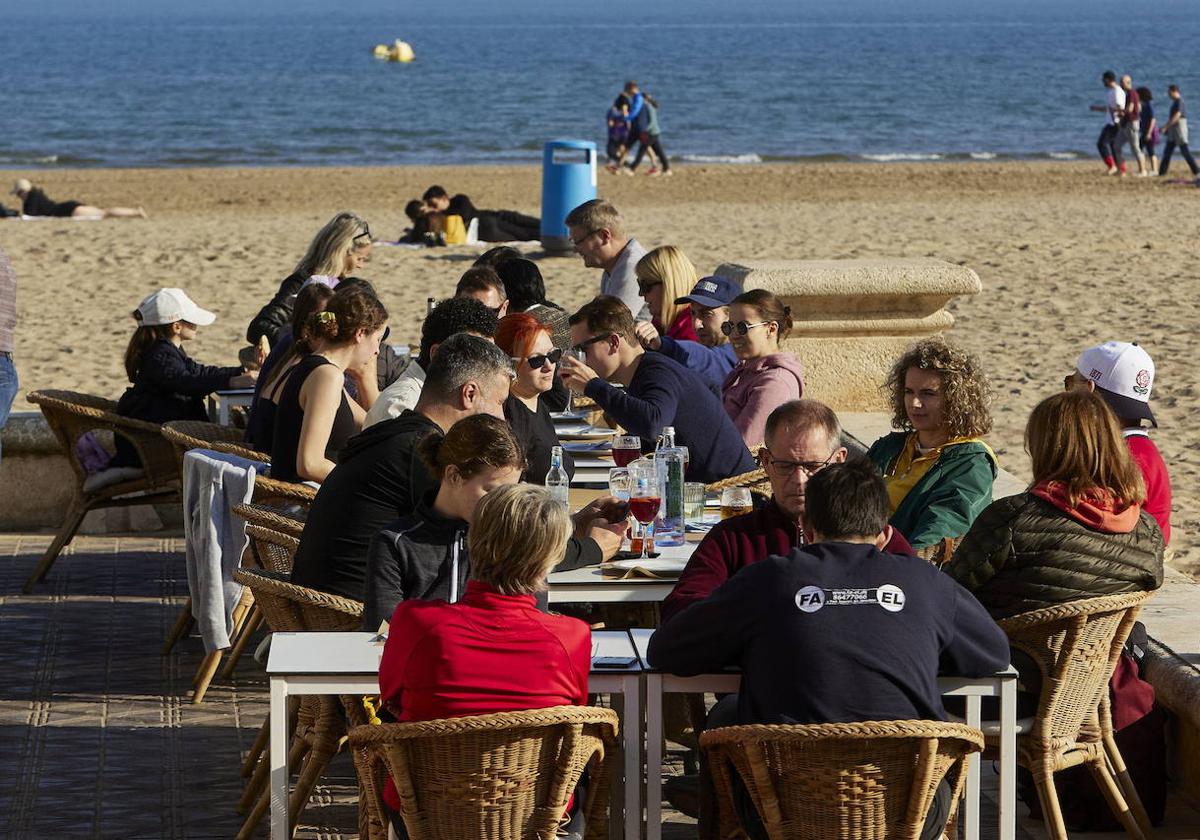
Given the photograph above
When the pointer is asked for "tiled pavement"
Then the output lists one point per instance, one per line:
(98, 738)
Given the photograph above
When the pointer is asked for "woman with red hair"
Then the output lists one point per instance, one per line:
(527, 340)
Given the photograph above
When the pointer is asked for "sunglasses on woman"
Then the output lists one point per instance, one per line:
(536, 362)
(742, 327)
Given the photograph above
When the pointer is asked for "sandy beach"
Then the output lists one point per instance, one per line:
(1067, 258)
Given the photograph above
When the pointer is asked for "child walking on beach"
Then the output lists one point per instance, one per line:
(166, 383)
(618, 134)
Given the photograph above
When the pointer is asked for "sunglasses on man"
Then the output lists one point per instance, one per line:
(742, 327)
(579, 348)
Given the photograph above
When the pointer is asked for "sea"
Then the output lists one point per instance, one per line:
(304, 89)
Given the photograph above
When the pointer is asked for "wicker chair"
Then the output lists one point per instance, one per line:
(857, 781)
(197, 434)
(939, 553)
(320, 612)
(504, 776)
(1076, 646)
(70, 416)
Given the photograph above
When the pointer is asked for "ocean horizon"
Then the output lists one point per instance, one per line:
(304, 90)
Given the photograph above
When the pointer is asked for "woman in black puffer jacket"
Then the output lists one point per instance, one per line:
(1078, 532)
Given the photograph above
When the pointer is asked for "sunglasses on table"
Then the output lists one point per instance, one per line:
(579, 348)
(536, 362)
(742, 327)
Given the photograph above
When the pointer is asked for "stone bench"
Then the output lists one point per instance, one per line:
(853, 318)
(37, 484)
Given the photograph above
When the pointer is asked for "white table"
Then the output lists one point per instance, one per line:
(590, 585)
(220, 403)
(348, 663)
(1002, 685)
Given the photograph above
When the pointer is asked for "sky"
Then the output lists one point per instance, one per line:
(691, 11)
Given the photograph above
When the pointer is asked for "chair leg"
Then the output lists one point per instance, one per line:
(182, 627)
(1116, 801)
(256, 788)
(328, 732)
(254, 620)
(1128, 790)
(1056, 828)
(75, 515)
(204, 675)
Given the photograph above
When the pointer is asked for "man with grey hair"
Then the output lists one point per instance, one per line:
(598, 234)
(802, 438)
(379, 476)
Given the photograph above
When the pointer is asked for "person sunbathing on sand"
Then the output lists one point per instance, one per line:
(34, 202)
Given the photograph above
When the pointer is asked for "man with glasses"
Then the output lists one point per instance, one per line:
(598, 234)
(803, 437)
(711, 357)
(656, 392)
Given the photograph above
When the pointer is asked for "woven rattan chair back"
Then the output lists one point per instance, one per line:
(271, 590)
(197, 434)
(274, 534)
(853, 781)
(505, 776)
(1076, 646)
(242, 451)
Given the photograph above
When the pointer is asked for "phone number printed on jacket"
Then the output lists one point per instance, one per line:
(809, 599)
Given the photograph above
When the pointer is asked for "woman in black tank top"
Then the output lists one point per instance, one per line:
(314, 418)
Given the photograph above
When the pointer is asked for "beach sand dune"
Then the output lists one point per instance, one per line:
(1067, 258)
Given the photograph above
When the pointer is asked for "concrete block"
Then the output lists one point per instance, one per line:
(853, 318)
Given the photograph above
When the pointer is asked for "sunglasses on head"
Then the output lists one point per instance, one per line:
(366, 232)
(742, 327)
(536, 362)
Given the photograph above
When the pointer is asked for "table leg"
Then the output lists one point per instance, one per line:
(279, 760)
(633, 758)
(1008, 760)
(223, 413)
(970, 814)
(654, 758)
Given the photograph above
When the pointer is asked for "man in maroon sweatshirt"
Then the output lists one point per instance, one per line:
(802, 438)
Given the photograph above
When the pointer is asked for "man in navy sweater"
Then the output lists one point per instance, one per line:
(657, 392)
(837, 631)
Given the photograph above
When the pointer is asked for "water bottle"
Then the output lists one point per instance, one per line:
(670, 461)
(557, 480)
(430, 305)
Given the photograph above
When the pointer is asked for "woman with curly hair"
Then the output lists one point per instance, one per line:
(938, 471)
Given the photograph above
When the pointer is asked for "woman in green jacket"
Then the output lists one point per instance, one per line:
(938, 471)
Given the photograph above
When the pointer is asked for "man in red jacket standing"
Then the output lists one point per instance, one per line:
(802, 438)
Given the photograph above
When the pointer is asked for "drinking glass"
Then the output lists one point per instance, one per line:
(626, 449)
(735, 501)
(577, 355)
(618, 483)
(693, 502)
(644, 499)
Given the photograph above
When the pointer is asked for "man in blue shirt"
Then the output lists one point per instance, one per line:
(657, 392)
(712, 357)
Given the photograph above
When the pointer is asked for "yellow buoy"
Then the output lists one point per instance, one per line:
(401, 51)
(380, 51)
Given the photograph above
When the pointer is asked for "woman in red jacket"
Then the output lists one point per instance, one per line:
(493, 651)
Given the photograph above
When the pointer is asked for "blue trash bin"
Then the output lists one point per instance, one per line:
(568, 180)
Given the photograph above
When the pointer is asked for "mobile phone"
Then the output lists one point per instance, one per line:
(614, 662)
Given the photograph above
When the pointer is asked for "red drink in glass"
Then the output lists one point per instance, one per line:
(626, 449)
(645, 508)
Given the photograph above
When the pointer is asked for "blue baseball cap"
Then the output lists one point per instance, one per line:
(712, 291)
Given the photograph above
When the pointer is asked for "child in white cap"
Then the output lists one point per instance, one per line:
(167, 383)
(1123, 374)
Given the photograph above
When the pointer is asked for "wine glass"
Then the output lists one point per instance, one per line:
(577, 355)
(645, 499)
(626, 449)
(618, 483)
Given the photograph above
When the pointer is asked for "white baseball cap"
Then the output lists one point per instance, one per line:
(1124, 376)
(166, 306)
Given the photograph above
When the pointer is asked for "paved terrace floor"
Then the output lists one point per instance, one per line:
(98, 738)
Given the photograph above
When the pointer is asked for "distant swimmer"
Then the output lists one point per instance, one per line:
(34, 202)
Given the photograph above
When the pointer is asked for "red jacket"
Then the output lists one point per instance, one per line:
(736, 543)
(486, 653)
(1158, 483)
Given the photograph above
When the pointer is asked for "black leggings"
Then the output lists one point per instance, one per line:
(508, 226)
(1107, 145)
(1169, 149)
(656, 146)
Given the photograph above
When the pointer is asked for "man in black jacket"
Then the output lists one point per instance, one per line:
(837, 631)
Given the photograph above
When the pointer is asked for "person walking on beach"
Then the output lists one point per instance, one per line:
(1130, 127)
(35, 203)
(1148, 132)
(1176, 129)
(8, 326)
(1114, 110)
(648, 134)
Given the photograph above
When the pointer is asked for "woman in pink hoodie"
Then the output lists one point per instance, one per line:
(764, 377)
